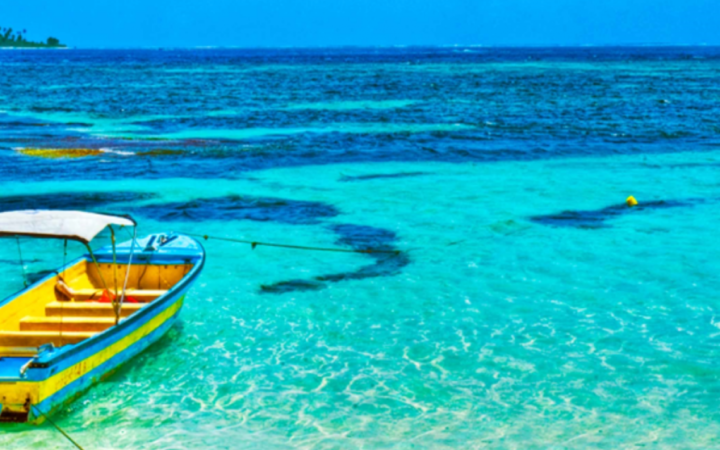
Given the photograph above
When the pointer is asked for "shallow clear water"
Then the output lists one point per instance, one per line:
(526, 309)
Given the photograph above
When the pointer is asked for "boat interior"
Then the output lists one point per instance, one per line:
(73, 305)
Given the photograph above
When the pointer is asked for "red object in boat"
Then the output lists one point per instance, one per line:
(107, 297)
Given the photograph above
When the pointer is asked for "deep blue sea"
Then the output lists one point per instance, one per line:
(528, 308)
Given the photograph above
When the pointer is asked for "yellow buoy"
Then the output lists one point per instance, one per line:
(631, 201)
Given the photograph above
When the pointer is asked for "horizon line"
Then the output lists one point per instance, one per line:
(383, 46)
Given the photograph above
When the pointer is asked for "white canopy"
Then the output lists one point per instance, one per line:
(77, 225)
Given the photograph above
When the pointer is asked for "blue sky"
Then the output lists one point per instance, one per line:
(253, 23)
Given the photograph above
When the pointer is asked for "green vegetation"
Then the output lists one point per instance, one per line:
(8, 39)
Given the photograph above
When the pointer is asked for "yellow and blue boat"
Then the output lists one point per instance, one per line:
(77, 325)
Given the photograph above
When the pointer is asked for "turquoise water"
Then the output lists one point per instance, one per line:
(523, 312)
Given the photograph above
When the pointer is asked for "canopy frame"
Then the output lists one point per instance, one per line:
(13, 222)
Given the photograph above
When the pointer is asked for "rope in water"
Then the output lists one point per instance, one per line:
(57, 427)
(296, 247)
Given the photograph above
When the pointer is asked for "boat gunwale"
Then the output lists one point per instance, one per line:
(46, 360)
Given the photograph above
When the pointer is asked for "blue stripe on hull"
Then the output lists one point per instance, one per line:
(77, 387)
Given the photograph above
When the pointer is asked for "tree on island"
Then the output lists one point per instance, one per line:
(18, 40)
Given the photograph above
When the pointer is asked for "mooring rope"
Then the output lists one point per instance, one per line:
(57, 427)
(296, 247)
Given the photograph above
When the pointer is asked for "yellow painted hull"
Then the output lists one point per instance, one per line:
(57, 376)
(17, 393)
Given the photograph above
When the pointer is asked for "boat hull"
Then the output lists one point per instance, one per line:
(54, 381)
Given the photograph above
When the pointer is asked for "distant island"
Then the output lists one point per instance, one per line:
(17, 40)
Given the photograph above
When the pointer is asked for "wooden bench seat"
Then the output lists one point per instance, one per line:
(79, 324)
(141, 295)
(64, 323)
(18, 351)
(89, 309)
(38, 338)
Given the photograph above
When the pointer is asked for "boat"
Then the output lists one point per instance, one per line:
(77, 325)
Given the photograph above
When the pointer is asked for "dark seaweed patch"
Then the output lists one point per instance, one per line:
(240, 207)
(16, 262)
(597, 218)
(692, 165)
(42, 109)
(383, 175)
(292, 286)
(359, 237)
(162, 152)
(362, 237)
(12, 124)
(69, 200)
(19, 124)
(236, 207)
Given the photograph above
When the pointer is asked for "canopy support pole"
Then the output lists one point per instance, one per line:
(92, 255)
(127, 276)
(115, 292)
(64, 260)
(62, 304)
